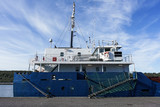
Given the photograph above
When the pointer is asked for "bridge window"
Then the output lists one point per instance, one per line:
(79, 53)
(107, 49)
(101, 50)
(118, 54)
(62, 54)
(113, 49)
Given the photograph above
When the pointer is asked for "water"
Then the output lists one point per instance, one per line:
(6, 90)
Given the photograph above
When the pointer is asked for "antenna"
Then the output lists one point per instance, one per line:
(93, 44)
(72, 25)
(89, 40)
(98, 42)
(50, 40)
(87, 44)
(103, 43)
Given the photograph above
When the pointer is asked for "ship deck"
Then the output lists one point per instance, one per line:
(83, 62)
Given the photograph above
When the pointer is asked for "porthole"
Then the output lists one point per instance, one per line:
(62, 88)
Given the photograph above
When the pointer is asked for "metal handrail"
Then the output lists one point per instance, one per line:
(74, 58)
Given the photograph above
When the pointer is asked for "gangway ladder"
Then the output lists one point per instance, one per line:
(42, 92)
(108, 88)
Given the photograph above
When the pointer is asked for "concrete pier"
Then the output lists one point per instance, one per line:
(6, 83)
(80, 102)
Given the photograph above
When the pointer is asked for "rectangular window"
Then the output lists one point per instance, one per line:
(118, 54)
(97, 69)
(107, 49)
(83, 68)
(104, 69)
(77, 69)
(44, 79)
(101, 50)
(145, 90)
(62, 54)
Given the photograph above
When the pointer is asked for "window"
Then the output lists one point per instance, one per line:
(77, 69)
(62, 54)
(83, 68)
(79, 53)
(118, 54)
(97, 68)
(96, 52)
(44, 79)
(104, 69)
(145, 90)
(107, 49)
(101, 50)
(62, 88)
(53, 77)
(113, 49)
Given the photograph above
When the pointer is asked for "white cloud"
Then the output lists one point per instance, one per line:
(146, 52)
(27, 28)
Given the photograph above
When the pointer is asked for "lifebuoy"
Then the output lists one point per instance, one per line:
(106, 54)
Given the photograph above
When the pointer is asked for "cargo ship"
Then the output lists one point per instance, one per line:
(101, 71)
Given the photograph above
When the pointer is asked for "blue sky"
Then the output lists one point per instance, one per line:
(27, 25)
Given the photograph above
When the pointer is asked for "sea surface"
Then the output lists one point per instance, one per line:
(6, 90)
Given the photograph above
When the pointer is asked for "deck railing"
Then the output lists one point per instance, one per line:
(76, 58)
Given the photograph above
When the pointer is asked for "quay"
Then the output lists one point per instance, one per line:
(80, 102)
(6, 83)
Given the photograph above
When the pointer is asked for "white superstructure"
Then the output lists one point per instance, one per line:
(105, 58)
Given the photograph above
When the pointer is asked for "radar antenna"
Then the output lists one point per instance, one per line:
(72, 25)
(50, 40)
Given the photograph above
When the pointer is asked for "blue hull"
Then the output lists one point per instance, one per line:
(35, 84)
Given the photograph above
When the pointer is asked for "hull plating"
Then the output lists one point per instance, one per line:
(36, 84)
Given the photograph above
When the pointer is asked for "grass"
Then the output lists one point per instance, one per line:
(7, 76)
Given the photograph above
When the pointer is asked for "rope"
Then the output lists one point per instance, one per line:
(45, 94)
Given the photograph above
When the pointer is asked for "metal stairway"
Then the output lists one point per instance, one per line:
(110, 87)
(50, 68)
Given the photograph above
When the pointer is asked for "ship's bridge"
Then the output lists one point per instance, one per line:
(108, 53)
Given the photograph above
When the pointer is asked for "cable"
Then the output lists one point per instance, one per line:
(62, 33)
(81, 32)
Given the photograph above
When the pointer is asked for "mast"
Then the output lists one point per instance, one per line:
(72, 25)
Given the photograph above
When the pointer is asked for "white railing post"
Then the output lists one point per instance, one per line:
(80, 68)
(102, 68)
(58, 67)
